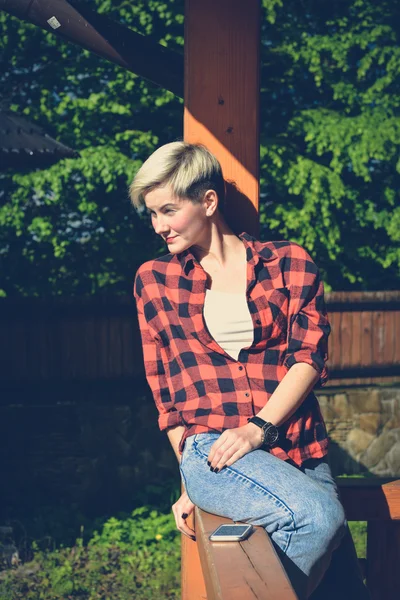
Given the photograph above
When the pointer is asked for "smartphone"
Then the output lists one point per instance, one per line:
(231, 533)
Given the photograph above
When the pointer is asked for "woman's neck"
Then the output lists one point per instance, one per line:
(219, 250)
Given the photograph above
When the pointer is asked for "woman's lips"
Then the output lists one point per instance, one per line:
(170, 239)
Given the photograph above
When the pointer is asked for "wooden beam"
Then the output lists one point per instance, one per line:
(222, 57)
(103, 36)
(370, 499)
(222, 48)
(192, 580)
(240, 570)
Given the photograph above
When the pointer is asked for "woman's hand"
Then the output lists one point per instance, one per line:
(233, 444)
(182, 508)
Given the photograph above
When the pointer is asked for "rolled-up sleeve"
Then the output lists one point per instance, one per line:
(168, 417)
(309, 326)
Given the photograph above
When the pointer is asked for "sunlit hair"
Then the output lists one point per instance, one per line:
(190, 170)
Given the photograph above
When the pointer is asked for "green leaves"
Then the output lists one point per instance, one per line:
(137, 556)
(330, 139)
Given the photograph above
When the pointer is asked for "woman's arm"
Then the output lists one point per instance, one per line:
(174, 436)
(288, 396)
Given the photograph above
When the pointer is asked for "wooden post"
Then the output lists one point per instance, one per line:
(222, 49)
(383, 559)
(193, 586)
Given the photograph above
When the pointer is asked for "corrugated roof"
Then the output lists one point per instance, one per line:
(24, 145)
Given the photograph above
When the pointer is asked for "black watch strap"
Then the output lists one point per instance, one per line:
(257, 421)
(270, 431)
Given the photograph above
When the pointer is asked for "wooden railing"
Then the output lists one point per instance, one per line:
(251, 569)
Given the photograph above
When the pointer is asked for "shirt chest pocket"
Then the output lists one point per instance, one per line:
(273, 309)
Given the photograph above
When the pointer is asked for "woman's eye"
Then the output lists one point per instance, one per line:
(165, 212)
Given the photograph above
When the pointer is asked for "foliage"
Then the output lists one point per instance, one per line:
(70, 229)
(330, 138)
(359, 534)
(134, 557)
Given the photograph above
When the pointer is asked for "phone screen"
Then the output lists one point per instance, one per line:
(231, 530)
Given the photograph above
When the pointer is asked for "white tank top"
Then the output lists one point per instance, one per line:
(228, 320)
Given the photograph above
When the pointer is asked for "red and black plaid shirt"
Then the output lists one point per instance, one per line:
(195, 383)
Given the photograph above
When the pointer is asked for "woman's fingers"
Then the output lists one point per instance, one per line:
(228, 458)
(232, 445)
(219, 449)
(182, 509)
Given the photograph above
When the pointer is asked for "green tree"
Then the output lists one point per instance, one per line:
(330, 138)
(69, 229)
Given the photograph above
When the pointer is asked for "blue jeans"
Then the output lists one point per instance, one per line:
(299, 508)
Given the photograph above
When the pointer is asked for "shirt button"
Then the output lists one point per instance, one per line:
(258, 321)
(240, 368)
(247, 394)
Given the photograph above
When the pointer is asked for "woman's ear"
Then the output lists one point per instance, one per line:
(211, 201)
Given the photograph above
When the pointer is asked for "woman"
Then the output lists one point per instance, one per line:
(234, 335)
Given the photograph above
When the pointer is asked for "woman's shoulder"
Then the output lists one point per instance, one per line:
(154, 271)
(282, 249)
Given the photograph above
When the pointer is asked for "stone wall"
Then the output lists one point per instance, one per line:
(364, 428)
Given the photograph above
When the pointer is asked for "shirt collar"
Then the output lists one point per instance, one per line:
(255, 251)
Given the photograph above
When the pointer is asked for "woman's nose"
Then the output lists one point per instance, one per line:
(160, 226)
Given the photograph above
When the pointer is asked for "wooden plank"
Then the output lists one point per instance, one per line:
(366, 338)
(104, 347)
(132, 358)
(383, 560)
(222, 47)
(90, 340)
(115, 342)
(6, 331)
(334, 352)
(346, 338)
(370, 499)
(355, 352)
(378, 337)
(390, 339)
(54, 336)
(396, 358)
(71, 351)
(19, 364)
(365, 301)
(240, 570)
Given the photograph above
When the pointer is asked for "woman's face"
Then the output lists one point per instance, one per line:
(180, 222)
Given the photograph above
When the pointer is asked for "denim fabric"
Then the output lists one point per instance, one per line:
(299, 508)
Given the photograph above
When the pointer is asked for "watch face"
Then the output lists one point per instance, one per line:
(271, 435)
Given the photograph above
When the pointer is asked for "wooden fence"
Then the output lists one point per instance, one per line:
(364, 346)
(91, 340)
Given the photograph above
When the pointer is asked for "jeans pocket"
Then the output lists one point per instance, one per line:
(203, 441)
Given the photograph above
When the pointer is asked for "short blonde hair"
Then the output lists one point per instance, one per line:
(190, 170)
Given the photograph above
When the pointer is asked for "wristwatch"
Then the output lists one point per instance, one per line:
(270, 432)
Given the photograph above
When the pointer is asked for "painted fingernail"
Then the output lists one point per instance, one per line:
(193, 538)
(212, 469)
(216, 470)
(184, 516)
(208, 462)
